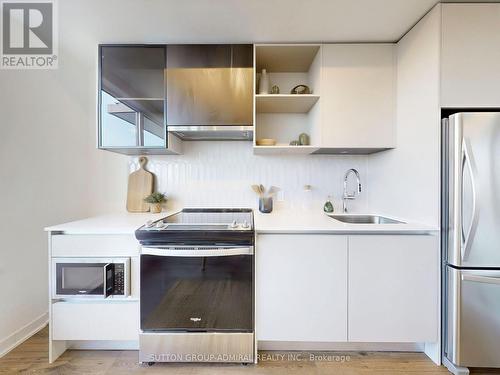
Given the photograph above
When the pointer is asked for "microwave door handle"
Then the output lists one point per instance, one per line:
(108, 284)
(481, 279)
(176, 252)
(468, 161)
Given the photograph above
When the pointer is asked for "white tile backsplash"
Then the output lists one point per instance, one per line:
(211, 174)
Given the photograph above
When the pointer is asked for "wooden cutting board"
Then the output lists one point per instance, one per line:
(140, 185)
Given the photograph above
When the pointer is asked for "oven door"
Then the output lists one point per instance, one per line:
(197, 289)
(89, 277)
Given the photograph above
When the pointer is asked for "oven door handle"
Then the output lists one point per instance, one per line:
(179, 252)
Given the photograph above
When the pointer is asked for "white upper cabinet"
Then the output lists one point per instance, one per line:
(358, 97)
(470, 56)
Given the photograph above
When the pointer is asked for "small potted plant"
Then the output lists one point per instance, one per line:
(155, 201)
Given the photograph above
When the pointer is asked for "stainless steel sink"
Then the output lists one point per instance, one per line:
(365, 219)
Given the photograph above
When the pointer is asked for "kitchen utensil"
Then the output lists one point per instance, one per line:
(266, 142)
(262, 189)
(256, 188)
(272, 190)
(301, 90)
(140, 185)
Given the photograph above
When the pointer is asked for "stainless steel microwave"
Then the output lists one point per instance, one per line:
(90, 277)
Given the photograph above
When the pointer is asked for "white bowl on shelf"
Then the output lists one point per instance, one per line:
(266, 142)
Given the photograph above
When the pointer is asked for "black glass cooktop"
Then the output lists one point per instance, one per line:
(210, 218)
(200, 225)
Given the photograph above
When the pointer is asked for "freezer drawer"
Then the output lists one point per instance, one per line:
(473, 318)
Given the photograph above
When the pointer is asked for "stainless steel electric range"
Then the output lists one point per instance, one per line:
(197, 287)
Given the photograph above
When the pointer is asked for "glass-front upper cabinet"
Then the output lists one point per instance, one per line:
(132, 102)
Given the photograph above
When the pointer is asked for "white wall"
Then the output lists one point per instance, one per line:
(43, 180)
(405, 181)
(220, 174)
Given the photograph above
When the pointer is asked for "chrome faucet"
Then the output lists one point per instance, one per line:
(350, 196)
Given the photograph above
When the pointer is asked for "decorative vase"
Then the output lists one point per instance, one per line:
(328, 207)
(155, 208)
(264, 82)
(304, 139)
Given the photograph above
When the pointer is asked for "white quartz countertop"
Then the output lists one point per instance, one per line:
(279, 221)
(124, 223)
(293, 221)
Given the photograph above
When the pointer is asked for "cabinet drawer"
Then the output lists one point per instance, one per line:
(104, 245)
(95, 321)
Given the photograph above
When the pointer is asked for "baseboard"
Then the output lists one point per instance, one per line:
(23, 333)
(103, 345)
(433, 351)
(340, 346)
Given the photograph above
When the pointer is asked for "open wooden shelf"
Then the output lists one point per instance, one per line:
(285, 58)
(285, 116)
(285, 103)
(284, 149)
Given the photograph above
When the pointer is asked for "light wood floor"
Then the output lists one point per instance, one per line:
(32, 358)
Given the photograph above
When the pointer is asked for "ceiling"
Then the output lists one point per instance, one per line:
(188, 21)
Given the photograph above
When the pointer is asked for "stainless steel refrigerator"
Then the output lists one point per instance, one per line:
(471, 239)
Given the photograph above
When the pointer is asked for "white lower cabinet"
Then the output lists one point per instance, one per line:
(95, 321)
(339, 288)
(301, 288)
(393, 288)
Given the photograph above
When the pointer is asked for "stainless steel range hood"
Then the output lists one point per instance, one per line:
(209, 92)
(213, 133)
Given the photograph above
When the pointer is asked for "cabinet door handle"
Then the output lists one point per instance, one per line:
(188, 252)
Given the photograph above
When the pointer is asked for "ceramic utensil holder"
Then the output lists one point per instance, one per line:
(266, 205)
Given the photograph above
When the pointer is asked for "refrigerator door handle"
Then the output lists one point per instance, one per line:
(468, 162)
(481, 279)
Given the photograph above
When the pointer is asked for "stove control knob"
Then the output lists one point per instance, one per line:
(234, 225)
(149, 224)
(160, 224)
(245, 225)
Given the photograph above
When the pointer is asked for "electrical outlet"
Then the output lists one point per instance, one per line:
(280, 196)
